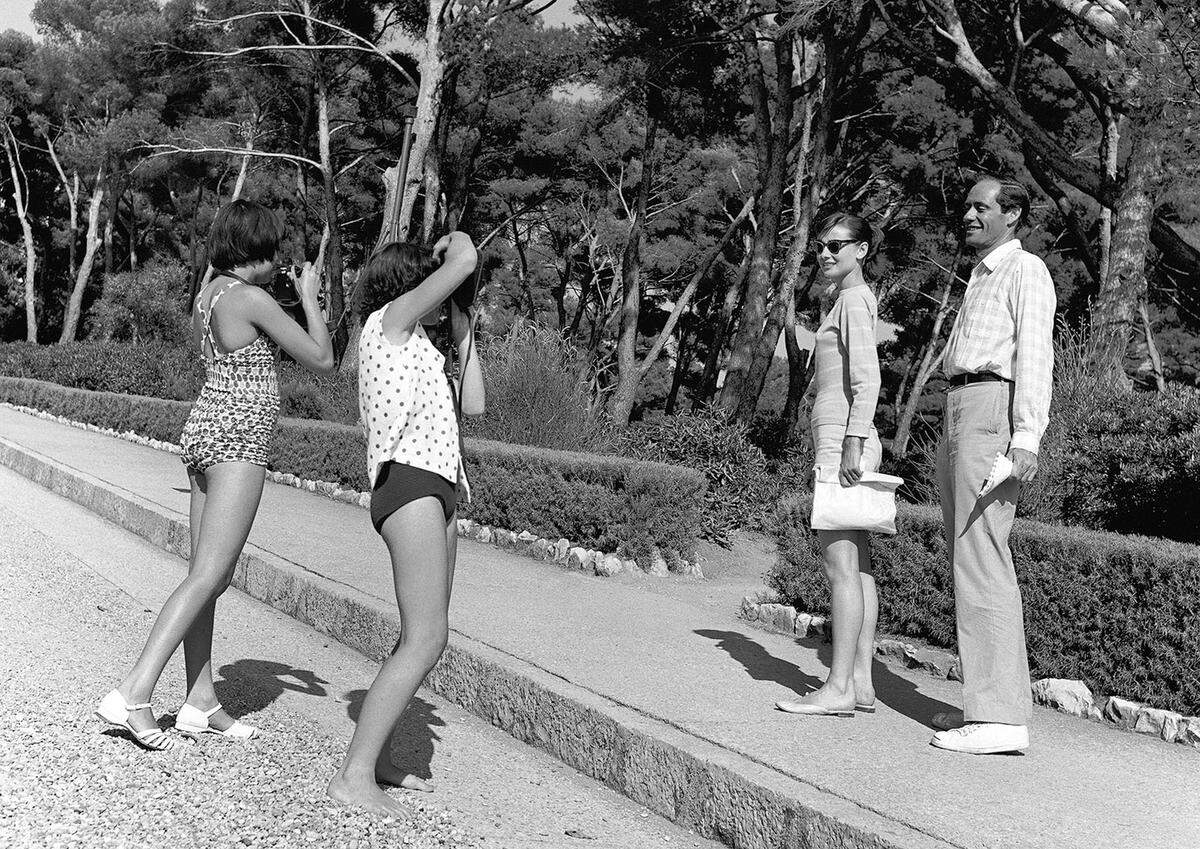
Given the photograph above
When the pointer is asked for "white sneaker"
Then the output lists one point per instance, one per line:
(983, 738)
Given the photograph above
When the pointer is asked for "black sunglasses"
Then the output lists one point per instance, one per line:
(835, 245)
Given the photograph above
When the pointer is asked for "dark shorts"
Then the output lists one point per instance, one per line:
(399, 483)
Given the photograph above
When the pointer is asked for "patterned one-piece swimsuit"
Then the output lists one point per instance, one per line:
(234, 417)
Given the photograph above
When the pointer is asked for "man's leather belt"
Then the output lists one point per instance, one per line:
(978, 377)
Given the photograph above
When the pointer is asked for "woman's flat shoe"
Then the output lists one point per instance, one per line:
(192, 720)
(811, 710)
(865, 708)
(113, 710)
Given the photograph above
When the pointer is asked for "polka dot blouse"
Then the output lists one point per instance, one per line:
(405, 402)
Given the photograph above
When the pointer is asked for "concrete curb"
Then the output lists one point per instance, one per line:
(717, 792)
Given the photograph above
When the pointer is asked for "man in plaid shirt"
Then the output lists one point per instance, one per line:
(999, 362)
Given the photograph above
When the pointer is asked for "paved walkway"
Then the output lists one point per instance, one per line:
(90, 590)
(674, 676)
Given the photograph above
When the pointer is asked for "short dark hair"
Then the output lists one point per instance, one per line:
(391, 271)
(859, 229)
(243, 232)
(1012, 195)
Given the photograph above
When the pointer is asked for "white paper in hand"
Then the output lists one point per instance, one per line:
(1001, 471)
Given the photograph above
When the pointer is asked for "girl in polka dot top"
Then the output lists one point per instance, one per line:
(414, 462)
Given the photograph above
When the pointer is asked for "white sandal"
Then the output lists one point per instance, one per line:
(192, 720)
(113, 710)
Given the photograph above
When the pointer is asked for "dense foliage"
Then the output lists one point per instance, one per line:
(608, 502)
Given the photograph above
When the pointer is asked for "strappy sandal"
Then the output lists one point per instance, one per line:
(192, 720)
(113, 710)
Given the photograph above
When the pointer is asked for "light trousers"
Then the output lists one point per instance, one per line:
(991, 629)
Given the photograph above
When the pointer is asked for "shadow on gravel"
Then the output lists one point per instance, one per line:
(249, 685)
(412, 742)
(760, 663)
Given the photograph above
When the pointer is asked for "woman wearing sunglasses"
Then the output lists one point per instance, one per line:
(846, 383)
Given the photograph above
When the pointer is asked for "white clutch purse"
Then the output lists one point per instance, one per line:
(869, 505)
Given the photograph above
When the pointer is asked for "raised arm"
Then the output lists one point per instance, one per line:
(312, 348)
(458, 261)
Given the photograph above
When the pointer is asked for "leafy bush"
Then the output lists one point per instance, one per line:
(742, 485)
(537, 394)
(147, 305)
(306, 395)
(149, 368)
(601, 501)
(1120, 613)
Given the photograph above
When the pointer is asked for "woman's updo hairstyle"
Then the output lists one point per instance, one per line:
(394, 269)
(858, 227)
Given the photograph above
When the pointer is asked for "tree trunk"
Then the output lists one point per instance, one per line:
(806, 200)
(722, 328)
(628, 368)
(931, 358)
(432, 69)
(1152, 355)
(772, 134)
(683, 357)
(91, 243)
(1115, 310)
(21, 202)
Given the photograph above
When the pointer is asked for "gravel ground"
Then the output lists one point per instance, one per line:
(67, 780)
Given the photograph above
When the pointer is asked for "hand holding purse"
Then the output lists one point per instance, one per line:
(869, 505)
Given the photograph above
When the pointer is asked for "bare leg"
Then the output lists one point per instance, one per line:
(864, 656)
(386, 771)
(197, 642)
(228, 508)
(416, 540)
(840, 553)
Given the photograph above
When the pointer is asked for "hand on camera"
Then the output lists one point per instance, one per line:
(454, 246)
(308, 285)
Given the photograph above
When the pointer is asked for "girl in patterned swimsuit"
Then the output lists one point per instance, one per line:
(225, 443)
(414, 461)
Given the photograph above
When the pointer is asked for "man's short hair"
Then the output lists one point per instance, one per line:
(243, 232)
(1012, 195)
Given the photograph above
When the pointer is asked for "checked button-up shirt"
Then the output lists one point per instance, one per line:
(1006, 325)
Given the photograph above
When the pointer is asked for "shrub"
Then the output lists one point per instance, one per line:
(742, 486)
(306, 395)
(537, 394)
(150, 368)
(1120, 613)
(595, 500)
(147, 305)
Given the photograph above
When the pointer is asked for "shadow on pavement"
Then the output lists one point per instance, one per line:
(249, 685)
(412, 741)
(892, 690)
(761, 664)
(895, 691)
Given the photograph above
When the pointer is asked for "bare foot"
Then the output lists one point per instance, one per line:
(142, 720)
(387, 772)
(365, 795)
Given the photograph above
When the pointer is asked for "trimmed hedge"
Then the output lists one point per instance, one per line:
(594, 500)
(1121, 613)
